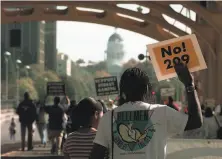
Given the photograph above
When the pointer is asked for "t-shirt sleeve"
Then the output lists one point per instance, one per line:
(176, 121)
(101, 134)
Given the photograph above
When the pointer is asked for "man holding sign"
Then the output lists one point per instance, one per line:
(166, 54)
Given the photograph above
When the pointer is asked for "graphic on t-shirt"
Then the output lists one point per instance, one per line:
(133, 130)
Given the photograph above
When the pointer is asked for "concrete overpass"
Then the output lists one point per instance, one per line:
(207, 26)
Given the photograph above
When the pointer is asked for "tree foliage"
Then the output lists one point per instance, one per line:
(27, 85)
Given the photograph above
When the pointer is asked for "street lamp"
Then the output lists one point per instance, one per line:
(7, 55)
(27, 70)
(142, 56)
(18, 62)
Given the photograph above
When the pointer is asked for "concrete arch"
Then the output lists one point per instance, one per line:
(150, 30)
(111, 9)
(211, 18)
(197, 28)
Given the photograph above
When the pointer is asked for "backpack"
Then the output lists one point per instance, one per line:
(219, 131)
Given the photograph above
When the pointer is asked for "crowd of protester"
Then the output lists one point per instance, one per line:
(84, 129)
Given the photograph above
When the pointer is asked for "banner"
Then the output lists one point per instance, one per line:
(55, 88)
(166, 54)
(106, 86)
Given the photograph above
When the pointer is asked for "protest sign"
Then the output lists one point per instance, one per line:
(166, 54)
(165, 92)
(55, 88)
(106, 86)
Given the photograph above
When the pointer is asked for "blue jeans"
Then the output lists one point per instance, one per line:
(42, 128)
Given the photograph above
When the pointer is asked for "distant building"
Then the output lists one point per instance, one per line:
(50, 45)
(32, 40)
(63, 65)
(115, 54)
(31, 50)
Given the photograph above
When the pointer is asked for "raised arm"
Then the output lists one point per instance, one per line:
(195, 119)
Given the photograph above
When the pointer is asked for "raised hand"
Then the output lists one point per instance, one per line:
(183, 74)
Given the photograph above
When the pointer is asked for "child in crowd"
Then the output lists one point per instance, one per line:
(12, 129)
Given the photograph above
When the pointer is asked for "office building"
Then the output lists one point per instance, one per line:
(64, 64)
(26, 43)
(50, 45)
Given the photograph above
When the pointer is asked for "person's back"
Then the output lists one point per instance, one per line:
(143, 128)
(55, 125)
(56, 115)
(27, 112)
(80, 142)
(27, 115)
(138, 129)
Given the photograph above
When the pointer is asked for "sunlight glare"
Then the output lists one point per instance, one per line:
(90, 9)
(130, 17)
(61, 7)
(170, 32)
(177, 24)
(184, 11)
(134, 7)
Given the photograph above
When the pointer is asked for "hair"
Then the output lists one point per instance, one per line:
(26, 96)
(134, 86)
(83, 113)
(170, 99)
(103, 105)
(208, 112)
(56, 100)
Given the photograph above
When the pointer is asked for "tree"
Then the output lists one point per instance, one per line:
(131, 63)
(27, 85)
(41, 81)
(80, 61)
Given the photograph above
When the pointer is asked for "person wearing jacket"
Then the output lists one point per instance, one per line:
(26, 111)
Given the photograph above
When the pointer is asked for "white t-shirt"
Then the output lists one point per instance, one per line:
(140, 130)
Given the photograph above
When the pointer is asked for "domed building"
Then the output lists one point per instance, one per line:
(114, 54)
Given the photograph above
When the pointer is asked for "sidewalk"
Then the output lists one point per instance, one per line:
(38, 152)
(7, 114)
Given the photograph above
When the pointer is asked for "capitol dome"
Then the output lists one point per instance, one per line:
(115, 37)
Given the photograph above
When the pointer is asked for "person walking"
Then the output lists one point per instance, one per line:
(71, 108)
(41, 122)
(55, 125)
(26, 111)
(12, 129)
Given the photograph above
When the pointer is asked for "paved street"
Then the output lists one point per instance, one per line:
(5, 138)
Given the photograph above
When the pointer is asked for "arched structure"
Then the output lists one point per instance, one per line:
(207, 27)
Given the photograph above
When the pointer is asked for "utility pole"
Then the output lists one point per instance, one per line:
(18, 62)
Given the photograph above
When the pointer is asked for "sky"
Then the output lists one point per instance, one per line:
(88, 41)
